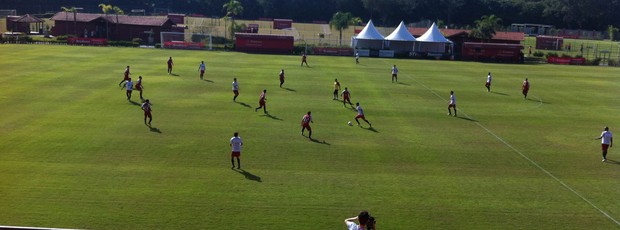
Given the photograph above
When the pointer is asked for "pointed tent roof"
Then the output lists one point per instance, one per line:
(400, 34)
(433, 35)
(369, 32)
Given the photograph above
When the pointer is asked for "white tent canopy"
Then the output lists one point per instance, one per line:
(370, 33)
(433, 35)
(400, 34)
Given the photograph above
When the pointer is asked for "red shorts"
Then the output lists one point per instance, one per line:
(346, 99)
(139, 87)
(525, 91)
(236, 92)
(202, 72)
(487, 84)
(235, 154)
(452, 106)
(261, 103)
(307, 126)
(147, 114)
(604, 147)
(360, 116)
(126, 77)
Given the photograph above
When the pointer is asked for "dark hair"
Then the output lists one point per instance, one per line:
(236, 134)
(365, 219)
(370, 225)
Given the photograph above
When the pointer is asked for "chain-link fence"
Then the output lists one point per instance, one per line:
(608, 52)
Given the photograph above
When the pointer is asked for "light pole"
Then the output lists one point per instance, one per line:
(75, 9)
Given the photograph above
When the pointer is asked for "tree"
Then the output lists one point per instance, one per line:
(74, 11)
(341, 21)
(233, 8)
(486, 27)
(117, 10)
(106, 10)
(613, 31)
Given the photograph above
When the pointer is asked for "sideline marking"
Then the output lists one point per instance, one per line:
(523, 155)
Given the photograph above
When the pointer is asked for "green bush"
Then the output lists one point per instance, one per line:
(595, 61)
(158, 45)
(123, 43)
(538, 54)
(137, 40)
(552, 54)
(566, 56)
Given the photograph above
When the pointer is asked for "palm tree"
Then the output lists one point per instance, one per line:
(233, 8)
(341, 21)
(486, 27)
(74, 11)
(106, 10)
(117, 10)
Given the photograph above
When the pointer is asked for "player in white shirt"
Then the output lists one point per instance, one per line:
(360, 114)
(394, 74)
(129, 87)
(452, 104)
(235, 144)
(357, 58)
(606, 142)
(202, 68)
(235, 89)
(488, 83)
(366, 222)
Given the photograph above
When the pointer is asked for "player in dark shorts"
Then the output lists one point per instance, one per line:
(525, 88)
(346, 97)
(305, 124)
(281, 77)
(262, 102)
(146, 107)
(127, 73)
(303, 59)
(139, 87)
(170, 64)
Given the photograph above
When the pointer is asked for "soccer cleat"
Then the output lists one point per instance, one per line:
(604, 160)
(255, 110)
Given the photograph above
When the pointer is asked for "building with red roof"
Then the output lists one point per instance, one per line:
(111, 26)
(23, 23)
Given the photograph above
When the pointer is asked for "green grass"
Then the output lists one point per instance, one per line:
(75, 154)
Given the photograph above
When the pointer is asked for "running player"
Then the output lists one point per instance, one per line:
(235, 89)
(357, 58)
(146, 107)
(525, 88)
(360, 114)
(170, 64)
(452, 103)
(336, 88)
(305, 124)
(488, 83)
(281, 77)
(235, 144)
(202, 68)
(394, 74)
(127, 73)
(346, 97)
(262, 102)
(139, 87)
(129, 87)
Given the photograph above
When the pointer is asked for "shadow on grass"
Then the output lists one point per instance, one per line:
(323, 142)
(467, 119)
(208, 81)
(612, 162)
(174, 74)
(272, 117)
(248, 175)
(289, 89)
(134, 103)
(153, 129)
(498, 93)
(400, 83)
(538, 100)
(243, 104)
(370, 129)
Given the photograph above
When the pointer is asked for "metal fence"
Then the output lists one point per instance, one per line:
(589, 49)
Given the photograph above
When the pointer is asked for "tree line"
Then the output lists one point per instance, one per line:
(571, 14)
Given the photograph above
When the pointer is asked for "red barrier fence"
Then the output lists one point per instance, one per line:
(566, 60)
(184, 45)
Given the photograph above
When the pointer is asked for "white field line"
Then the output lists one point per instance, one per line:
(523, 155)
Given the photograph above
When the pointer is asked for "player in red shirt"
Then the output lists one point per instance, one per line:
(262, 101)
(170, 64)
(305, 124)
(346, 97)
(281, 77)
(526, 88)
(127, 73)
(146, 107)
(139, 87)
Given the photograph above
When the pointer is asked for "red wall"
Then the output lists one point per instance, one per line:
(262, 43)
(491, 52)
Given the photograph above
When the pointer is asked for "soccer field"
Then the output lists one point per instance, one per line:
(74, 153)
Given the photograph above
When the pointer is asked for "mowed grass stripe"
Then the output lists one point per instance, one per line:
(102, 168)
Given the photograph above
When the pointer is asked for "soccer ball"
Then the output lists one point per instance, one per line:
(349, 123)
